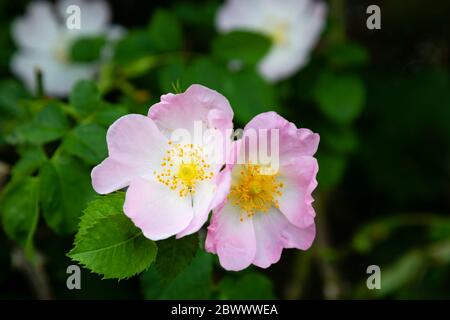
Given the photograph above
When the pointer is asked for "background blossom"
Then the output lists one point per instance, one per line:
(294, 27)
(44, 42)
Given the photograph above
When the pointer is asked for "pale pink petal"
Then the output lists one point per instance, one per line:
(112, 175)
(231, 239)
(135, 137)
(299, 179)
(306, 20)
(298, 23)
(135, 148)
(208, 195)
(38, 29)
(159, 212)
(242, 15)
(299, 238)
(223, 182)
(58, 77)
(269, 244)
(197, 103)
(273, 66)
(292, 141)
(273, 233)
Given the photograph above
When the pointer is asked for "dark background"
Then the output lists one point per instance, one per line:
(384, 181)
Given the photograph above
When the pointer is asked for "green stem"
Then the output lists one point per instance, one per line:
(39, 83)
(332, 286)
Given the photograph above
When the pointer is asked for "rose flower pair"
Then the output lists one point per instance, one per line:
(172, 186)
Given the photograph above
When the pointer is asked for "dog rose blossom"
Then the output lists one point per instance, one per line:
(293, 25)
(44, 42)
(267, 210)
(172, 186)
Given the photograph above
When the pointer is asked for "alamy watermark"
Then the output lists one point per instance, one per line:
(261, 147)
(374, 20)
(374, 280)
(73, 21)
(74, 279)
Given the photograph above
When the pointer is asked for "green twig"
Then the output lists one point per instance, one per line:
(39, 82)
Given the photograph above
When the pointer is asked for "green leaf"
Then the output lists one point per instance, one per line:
(440, 252)
(66, 189)
(85, 97)
(11, 93)
(114, 248)
(134, 45)
(29, 162)
(347, 55)
(165, 31)
(373, 233)
(252, 286)
(340, 97)
(139, 67)
(249, 95)
(440, 231)
(48, 125)
(87, 141)
(102, 206)
(205, 72)
(194, 282)
(110, 114)
(170, 74)
(246, 47)
(86, 49)
(20, 212)
(247, 92)
(174, 255)
(199, 14)
(401, 273)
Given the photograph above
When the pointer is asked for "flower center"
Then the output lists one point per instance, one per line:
(182, 167)
(188, 173)
(60, 49)
(279, 33)
(255, 191)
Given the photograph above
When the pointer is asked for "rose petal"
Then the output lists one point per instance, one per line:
(155, 209)
(299, 179)
(231, 239)
(198, 103)
(135, 147)
(208, 195)
(292, 141)
(273, 233)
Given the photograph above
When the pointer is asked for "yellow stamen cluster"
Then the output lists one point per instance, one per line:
(182, 167)
(255, 191)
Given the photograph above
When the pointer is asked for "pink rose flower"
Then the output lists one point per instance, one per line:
(172, 186)
(265, 213)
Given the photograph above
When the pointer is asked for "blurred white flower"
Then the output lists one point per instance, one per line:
(293, 25)
(44, 42)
